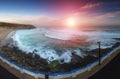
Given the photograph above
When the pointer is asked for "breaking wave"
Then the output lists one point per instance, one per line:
(60, 44)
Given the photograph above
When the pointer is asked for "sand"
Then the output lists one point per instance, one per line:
(6, 28)
(4, 32)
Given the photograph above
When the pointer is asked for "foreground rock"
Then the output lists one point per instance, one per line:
(35, 62)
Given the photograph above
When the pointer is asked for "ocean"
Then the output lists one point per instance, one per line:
(59, 44)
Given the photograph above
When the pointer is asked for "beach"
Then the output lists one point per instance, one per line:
(6, 28)
(4, 32)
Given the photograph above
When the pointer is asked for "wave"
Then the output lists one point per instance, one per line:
(60, 44)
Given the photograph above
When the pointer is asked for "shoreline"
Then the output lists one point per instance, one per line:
(6, 28)
(83, 73)
(27, 60)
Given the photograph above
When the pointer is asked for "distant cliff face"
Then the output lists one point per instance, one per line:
(16, 26)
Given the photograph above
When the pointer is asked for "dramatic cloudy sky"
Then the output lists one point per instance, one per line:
(54, 12)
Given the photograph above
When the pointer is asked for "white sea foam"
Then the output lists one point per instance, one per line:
(38, 40)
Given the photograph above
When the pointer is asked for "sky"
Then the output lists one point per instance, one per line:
(55, 12)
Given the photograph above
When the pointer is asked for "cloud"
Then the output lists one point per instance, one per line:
(40, 20)
(91, 14)
(109, 15)
(91, 5)
(85, 15)
(85, 10)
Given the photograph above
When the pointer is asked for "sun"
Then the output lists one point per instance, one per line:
(70, 22)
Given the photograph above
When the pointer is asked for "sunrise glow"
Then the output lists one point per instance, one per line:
(71, 22)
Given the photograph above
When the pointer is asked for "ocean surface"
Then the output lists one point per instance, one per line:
(54, 44)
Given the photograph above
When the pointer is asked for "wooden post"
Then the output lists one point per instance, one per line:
(99, 53)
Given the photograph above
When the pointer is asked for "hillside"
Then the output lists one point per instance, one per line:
(16, 26)
(6, 28)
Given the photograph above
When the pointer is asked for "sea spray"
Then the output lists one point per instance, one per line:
(44, 42)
